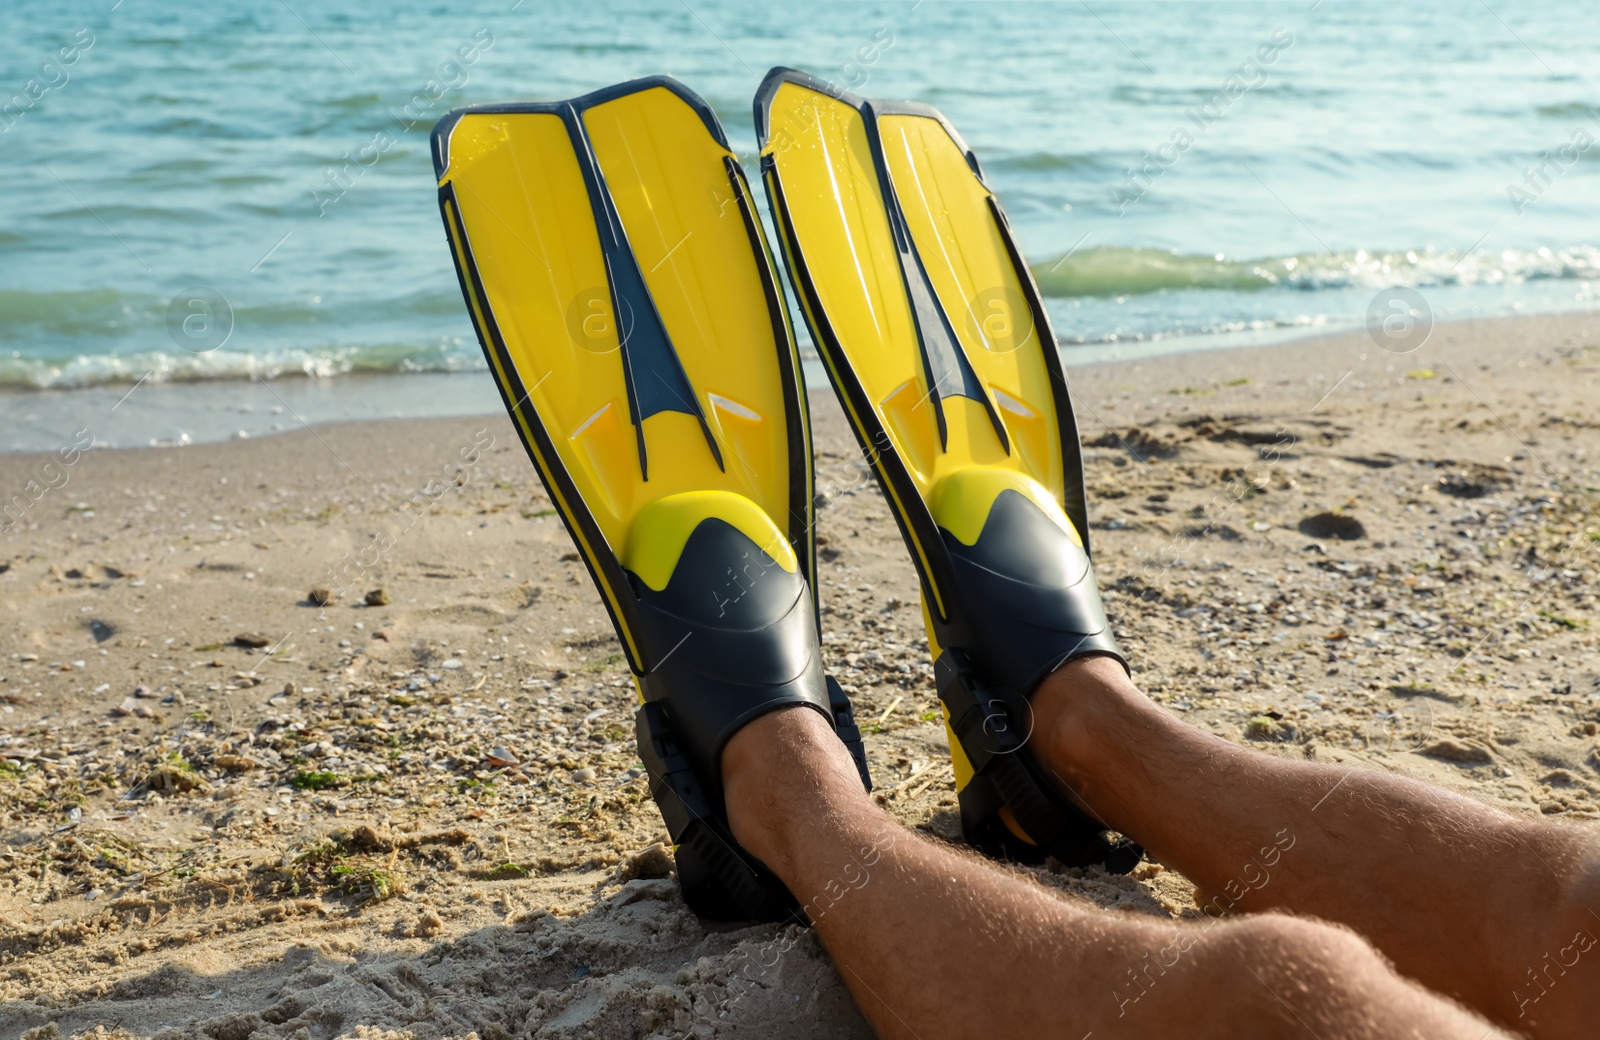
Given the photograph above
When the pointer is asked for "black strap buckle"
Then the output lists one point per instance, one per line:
(719, 880)
(993, 727)
(844, 724)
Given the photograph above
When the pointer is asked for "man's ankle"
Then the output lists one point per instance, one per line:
(1080, 711)
(782, 771)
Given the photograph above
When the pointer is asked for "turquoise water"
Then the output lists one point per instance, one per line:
(1182, 174)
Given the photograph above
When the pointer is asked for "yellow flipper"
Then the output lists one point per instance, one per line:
(925, 314)
(628, 305)
(939, 347)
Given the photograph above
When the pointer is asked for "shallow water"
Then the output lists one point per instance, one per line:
(182, 151)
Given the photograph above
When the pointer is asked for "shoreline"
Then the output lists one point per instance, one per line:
(187, 413)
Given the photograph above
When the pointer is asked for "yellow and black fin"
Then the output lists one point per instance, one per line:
(937, 343)
(614, 266)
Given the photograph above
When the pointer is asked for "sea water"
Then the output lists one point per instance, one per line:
(220, 219)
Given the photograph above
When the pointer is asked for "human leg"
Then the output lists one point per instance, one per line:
(1496, 911)
(934, 942)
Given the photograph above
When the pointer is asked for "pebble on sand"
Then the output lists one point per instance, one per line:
(1460, 751)
(251, 640)
(429, 924)
(378, 598)
(129, 706)
(320, 597)
(501, 757)
(1333, 525)
(652, 861)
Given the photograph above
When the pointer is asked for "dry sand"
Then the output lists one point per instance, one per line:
(425, 817)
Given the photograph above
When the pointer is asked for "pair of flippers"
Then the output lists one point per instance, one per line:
(614, 264)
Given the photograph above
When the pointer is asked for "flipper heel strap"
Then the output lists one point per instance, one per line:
(844, 726)
(993, 731)
(1023, 602)
(718, 878)
(727, 650)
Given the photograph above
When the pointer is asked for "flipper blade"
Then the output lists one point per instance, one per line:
(608, 256)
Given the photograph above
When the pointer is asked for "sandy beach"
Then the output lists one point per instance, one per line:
(229, 811)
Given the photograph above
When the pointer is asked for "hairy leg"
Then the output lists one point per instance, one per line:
(935, 943)
(1496, 911)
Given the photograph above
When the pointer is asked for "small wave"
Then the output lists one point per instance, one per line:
(1131, 271)
(33, 317)
(116, 213)
(24, 315)
(1214, 328)
(1570, 110)
(237, 180)
(168, 167)
(201, 127)
(354, 102)
(22, 373)
(1048, 162)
